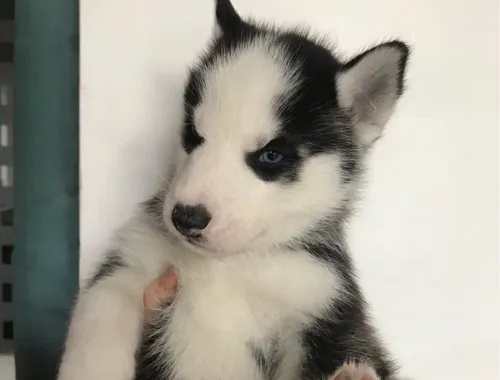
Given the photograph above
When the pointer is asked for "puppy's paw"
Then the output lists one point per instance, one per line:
(352, 371)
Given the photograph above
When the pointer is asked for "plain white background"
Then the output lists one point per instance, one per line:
(426, 237)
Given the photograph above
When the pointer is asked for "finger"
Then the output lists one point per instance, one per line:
(168, 282)
(160, 290)
(343, 376)
(152, 296)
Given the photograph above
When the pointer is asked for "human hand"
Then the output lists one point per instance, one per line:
(162, 290)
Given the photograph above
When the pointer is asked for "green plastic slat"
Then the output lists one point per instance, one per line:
(46, 181)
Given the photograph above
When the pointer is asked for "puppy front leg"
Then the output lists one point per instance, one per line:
(105, 329)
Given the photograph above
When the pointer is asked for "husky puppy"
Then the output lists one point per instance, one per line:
(272, 147)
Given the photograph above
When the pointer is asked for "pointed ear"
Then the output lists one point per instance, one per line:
(227, 20)
(370, 86)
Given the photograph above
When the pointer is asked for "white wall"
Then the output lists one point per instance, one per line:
(426, 240)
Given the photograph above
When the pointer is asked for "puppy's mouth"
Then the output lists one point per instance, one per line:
(195, 239)
(200, 245)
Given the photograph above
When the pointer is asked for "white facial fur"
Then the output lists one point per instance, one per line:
(236, 116)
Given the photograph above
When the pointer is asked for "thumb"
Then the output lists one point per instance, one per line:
(163, 288)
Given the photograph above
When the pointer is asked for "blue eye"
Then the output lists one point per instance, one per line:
(270, 157)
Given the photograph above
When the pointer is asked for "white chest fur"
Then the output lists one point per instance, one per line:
(224, 308)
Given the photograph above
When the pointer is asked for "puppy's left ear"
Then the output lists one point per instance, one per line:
(227, 20)
(370, 85)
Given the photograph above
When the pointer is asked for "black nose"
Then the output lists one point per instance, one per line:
(188, 218)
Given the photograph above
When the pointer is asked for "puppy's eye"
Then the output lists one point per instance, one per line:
(276, 161)
(270, 157)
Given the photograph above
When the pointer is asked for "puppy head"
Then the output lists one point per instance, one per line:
(274, 134)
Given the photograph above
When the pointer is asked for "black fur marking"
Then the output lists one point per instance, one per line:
(269, 361)
(345, 335)
(227, 17)
(154, 206)
(286, 171)
(190, 138)
(110, 265)
(149, 364)
(146, 362)
(310, 117)
(345, 332)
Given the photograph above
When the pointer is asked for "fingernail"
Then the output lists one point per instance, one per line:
(344, 376)
(367, 377)
(169, 280)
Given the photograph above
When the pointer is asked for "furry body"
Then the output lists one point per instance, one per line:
(271, 151)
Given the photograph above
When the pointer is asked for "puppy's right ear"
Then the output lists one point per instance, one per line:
(227, 20)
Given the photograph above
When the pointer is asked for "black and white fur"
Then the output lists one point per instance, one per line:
(267, 288)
